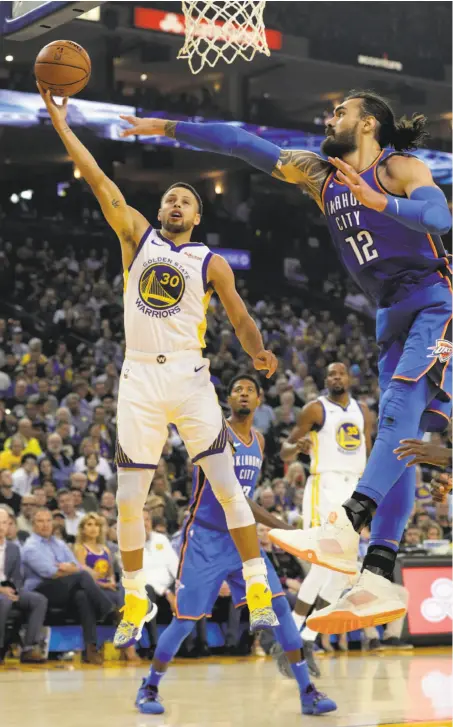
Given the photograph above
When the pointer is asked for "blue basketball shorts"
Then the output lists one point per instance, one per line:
(208, 558)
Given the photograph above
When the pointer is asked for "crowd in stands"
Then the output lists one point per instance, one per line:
(61, 350)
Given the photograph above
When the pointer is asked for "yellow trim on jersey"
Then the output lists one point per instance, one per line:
(201, 330)
(315, 519)
(314, 458)
(125, 279)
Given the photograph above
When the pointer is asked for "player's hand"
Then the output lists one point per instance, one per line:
(441, 486)
(266, 361)
(304, 445)
(57, 112)
(143, 127)
(423, 452)
(360, 189)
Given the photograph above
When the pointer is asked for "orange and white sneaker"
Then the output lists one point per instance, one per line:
(371, 602)
(333, 545)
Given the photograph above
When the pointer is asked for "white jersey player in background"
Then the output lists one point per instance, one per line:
(336, 431)
(165, 379)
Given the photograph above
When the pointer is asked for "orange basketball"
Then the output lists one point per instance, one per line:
(64, 67)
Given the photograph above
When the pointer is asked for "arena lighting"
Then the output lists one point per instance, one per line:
(14, 198)
(218, 189)
(363, 60)
(26, 194)
(144, 77)
(77, 173)
(9, 58)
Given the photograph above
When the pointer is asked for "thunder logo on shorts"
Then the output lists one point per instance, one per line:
(161, 286)
(348, 436)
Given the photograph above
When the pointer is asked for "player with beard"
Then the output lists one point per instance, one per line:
(168, 282)
(336, 431)
(208, 558)
(385, 216)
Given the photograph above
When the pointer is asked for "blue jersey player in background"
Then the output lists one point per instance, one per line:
(209, 557)
(385, 215)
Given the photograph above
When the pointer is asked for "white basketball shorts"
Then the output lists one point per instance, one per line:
(158, 389)
(323, 493)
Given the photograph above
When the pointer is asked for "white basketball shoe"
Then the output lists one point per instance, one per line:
(371, 602)
(333, 545)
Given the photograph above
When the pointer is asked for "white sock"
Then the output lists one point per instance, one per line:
(308, 635)
(255, 571)
(299, 621)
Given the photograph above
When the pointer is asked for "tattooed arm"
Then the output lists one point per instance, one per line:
(304, 168)
(128, 224)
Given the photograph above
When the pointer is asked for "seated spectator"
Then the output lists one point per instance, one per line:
(182, 486)
(11, 459)
(95, 481)
(161, 488)
(87, 448)
(30, 444)
(80, 417)
(35, 353)
(287, 412)
(107, 429)
(16, 536)
(78, 482)
(25, 517)
(108, 505)
(7, 496)
(443, 518)
(45, 471)
(34, 605)
(50, 489)
(51, 568)
(25, 476)
(100, 445)
(93, 554)
(72, 518)
(159, 525)
(40, 496)
(433, 532)
(264, 417)
(412, 537)
(267, 499)
(58, 528)
(62, 465)
(295, 512)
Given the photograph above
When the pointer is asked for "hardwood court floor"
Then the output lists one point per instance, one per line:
(387, 688)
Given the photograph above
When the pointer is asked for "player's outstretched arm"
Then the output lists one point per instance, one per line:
(123, 220)
(221, 277)
(311, 415)
(304, 168)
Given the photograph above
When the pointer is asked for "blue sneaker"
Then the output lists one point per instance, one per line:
(314, 702)
(148, 700)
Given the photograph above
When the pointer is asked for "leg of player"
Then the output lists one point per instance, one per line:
(219, 470)
(133, 488)
(313, 702)
(334, 545)
(148, 700)
(306, 598)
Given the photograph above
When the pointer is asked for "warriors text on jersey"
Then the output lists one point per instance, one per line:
(339, 445)
(248, 460)
(166, 295)
(386, 259)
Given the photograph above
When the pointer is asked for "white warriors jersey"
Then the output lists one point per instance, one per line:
(166, 295)
(339, 445)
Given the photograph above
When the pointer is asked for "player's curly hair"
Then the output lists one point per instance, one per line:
(403, 134)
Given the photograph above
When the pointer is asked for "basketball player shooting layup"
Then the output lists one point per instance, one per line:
(385, 215)
(168, 283)
(208, 557)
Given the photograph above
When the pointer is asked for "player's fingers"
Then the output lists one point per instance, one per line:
(413, 462)
(129, 119)
(411, 441)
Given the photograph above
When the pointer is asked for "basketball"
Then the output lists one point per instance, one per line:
(64, 67)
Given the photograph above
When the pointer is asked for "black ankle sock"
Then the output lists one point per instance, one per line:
(380, 560)
(360, 510)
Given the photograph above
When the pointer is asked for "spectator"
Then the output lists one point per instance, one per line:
(267, 499)
(287, 412)
(95, 481)
(108, 504)
(27, 510)
(34, 605)
(11, 459)
(80, 420)
(412, 537)
(50, 489)
(45, 470)
(40, 496)
(34, 354)
(264, 417)
(161, 488)
(62, 465)
(7, 496)
(30, 444)
(72, 518)
(51, 568)
(78, 482)
(433, 532)
(87, 448)
(26, 475)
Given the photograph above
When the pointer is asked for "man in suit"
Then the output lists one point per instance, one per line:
(34, 605)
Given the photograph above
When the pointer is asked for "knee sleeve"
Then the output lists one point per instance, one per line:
(172, 638)
(219, 470)
(312, 584)
(287, 633)
(133, 488)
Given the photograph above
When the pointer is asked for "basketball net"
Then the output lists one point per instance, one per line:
(226, 30)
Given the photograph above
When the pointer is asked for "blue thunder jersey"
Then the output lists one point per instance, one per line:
(387, 260)
(248, 460)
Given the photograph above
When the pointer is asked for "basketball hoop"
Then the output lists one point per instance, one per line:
(226, 30)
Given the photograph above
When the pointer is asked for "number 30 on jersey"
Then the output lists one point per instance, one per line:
(363, 246)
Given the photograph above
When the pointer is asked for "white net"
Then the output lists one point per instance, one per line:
(226, 30)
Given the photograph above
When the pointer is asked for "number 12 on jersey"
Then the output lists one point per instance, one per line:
(366, 252)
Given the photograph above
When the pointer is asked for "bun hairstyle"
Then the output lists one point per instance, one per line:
(402, 134)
